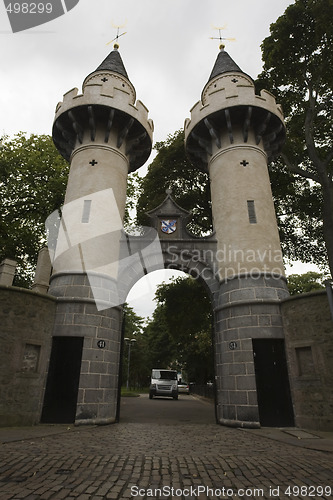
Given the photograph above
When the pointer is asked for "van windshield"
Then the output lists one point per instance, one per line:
(164, 374)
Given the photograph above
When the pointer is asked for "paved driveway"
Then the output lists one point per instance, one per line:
(167, 410)
(183, 457)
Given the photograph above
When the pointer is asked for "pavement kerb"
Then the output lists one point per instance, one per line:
(322, 441)
(202, 399)
(304, 438)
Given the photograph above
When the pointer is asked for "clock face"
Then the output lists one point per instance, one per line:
(168, 226)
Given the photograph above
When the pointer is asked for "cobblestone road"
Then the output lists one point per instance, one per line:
(184, 461)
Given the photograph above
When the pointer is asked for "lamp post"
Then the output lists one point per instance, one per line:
(129, 342)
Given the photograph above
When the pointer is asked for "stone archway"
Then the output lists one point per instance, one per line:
(87, 308)
(106, 133)
(239, 318)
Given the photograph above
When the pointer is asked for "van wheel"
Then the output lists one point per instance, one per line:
(175, 397)
(150, 396)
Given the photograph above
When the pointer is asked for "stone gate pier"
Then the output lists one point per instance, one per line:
(61, 342)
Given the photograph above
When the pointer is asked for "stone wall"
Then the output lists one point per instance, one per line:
(26, 320)
(249, 309)
(309, 344)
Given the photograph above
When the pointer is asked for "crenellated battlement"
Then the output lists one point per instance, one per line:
(105, 109)
(105, 94)
(230, 106)
(228, 91)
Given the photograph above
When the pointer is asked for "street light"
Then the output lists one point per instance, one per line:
(129, 342)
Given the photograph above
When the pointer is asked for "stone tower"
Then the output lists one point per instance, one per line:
(232, 133)
(104, 133)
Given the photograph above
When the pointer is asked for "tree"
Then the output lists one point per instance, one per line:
(133, 322)
(159, 346)
(33, 178)
(188, 316)
(308, 282)
(134, 190)
(178, 297)
(133, 329)
(298, 59)
(297, 207)
(190, 187)
(179, 336)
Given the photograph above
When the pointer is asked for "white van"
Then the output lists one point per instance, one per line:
(163, 383)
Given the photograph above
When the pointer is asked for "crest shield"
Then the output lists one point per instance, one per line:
(168, 226)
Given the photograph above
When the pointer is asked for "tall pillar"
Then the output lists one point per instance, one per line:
(7, 271)
(104, 133)
(232, 133)
(43, 271)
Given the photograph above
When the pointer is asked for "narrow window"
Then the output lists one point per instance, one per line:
(86, 211)
(252, 212)
(30, 358)
(305, 362)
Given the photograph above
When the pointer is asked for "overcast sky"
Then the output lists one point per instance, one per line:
(167, 52)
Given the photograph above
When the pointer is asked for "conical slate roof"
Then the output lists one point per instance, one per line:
(224, 64)
(113, 62)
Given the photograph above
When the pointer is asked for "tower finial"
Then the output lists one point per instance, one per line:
(221, 46)
(116, 45)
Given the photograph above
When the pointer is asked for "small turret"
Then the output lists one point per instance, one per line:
(105, 133)
(229, 112)
(231, 134)
(105, 113)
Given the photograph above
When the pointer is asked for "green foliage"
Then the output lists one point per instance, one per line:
(178, 298)
(298, 57)
(133, 329)
(33, 179)
(302, 283)
(298, 210)
(134, 190)
(188, 325)
(159, 347)
(178, 335)
(133, 323)
(190, 187)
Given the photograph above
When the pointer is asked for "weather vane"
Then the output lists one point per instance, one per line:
(220, 37)
(116, 46)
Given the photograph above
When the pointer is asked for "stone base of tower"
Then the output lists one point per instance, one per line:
(83, 378)
(248, 310)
